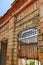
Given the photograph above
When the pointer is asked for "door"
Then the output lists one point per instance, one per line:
(3, 52)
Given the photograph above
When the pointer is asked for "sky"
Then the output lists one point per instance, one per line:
(4, 6)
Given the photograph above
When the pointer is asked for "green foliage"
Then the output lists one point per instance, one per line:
(32, 63)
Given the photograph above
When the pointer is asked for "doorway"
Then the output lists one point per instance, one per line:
(24, 61)
(3, 52)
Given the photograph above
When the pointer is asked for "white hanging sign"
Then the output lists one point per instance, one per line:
(28, 36)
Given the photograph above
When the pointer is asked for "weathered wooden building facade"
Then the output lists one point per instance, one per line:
(22, 16)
